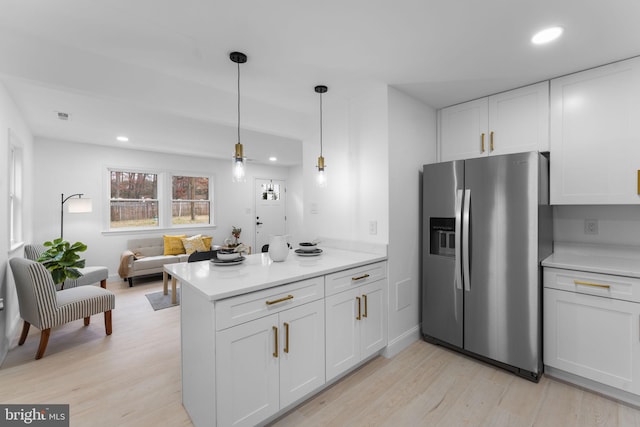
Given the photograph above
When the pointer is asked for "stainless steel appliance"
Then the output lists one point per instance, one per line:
(486, 227)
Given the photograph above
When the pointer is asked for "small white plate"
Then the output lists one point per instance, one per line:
(315, 252)
(221, 262)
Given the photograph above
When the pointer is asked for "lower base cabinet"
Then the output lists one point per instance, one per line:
(267, 364)
(589, 333)
(356, 326)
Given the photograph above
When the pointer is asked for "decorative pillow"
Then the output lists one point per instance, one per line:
(193, 243)
(207, 242)
(173, 245)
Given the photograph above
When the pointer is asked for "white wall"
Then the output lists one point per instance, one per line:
(66, 167)
(10, 118)
(355, 150)
(412, 143)
(617, 225)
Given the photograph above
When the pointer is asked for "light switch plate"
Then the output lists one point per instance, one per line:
(590, 226)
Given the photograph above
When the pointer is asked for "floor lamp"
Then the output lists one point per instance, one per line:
(78, 205)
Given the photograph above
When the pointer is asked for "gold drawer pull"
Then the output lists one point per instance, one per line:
(359, 309)
(275, 341)
(364, 276)
(288, 297)
(364, 297)
(286, 337)
(595, 285)
(491, 141)
(482, 143)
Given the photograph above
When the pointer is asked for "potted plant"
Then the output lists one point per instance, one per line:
(62, 260)
(235, 232)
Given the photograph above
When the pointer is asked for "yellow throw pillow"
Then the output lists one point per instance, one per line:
(193, 243)
(207, 242)
(173, 245)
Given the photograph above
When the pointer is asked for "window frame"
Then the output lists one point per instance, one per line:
(15, 193)
(164, 198)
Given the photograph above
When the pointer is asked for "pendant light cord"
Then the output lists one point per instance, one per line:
(321, 125)
(238, 103)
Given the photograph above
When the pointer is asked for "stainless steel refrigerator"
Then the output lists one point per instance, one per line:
(487, 225)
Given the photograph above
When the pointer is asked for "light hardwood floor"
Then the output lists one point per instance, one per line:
(132, 378)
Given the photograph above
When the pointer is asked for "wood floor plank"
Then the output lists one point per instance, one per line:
(132, 378)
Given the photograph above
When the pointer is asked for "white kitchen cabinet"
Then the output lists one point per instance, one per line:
(590, 333)
(508, 122)
(595, 135)
(266, 364)
(356, 322)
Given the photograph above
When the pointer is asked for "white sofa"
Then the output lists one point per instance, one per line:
(145, 256)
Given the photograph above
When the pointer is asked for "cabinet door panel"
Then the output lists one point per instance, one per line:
(302, 361)
(461, 129)
(594, 337)
(343, 335)
(519, 120)
(595, 135)
(247, 373)
(373, 327)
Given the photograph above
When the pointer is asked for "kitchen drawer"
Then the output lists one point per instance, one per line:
(354, 277)
(243, 308)
(604, 285)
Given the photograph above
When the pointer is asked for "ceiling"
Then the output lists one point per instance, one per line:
(159, 70)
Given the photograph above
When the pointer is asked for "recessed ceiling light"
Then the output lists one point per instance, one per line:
(273, 159)
(547, 35)
(123, 138)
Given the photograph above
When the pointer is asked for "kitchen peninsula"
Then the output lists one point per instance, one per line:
(261, 336)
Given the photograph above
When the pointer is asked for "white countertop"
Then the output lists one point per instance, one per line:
(605, 259)
(258, 272)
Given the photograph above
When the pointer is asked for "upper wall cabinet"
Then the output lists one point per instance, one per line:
(509, 122)
(595, 135)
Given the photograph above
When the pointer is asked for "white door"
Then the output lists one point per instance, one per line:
(301, 351)
(247, 371)
(270, 210)
(343, 332)
(373, 326)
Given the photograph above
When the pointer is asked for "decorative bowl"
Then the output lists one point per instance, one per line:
(226, 255)
(307, 246)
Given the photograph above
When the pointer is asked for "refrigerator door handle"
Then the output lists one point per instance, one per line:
(465, 239)
(458, 240)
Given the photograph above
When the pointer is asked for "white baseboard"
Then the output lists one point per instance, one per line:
(398, 344)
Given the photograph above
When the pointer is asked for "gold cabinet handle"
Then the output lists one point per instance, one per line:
(288, 297)
(491, 141)
(364, 276)
(595, 285)
(275, 341)
(286, 337)
(364, 297)
(359, 309)
(482, 142)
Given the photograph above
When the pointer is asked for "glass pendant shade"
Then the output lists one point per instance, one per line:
(239, 165)
(321, 177)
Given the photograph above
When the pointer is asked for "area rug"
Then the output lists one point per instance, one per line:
(159, 300)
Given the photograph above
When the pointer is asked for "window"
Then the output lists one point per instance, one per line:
(134, 199)
(190, 202)
(154, 199)
(15, 191)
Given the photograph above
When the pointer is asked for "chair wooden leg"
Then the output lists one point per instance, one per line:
(107, 322)
(25, 332)
(130, 282)
(44, 340)
(87, 320)
(103, 284)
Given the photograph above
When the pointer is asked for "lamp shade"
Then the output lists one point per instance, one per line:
(79, 205)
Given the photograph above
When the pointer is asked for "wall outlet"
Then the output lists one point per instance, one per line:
(373, 227)
(590, 226)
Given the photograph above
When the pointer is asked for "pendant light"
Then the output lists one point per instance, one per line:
(321, 178)
(239, 160)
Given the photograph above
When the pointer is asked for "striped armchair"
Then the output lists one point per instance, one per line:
(89, 276)
(44, 308)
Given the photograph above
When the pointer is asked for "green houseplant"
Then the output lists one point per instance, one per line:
(62, 260)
